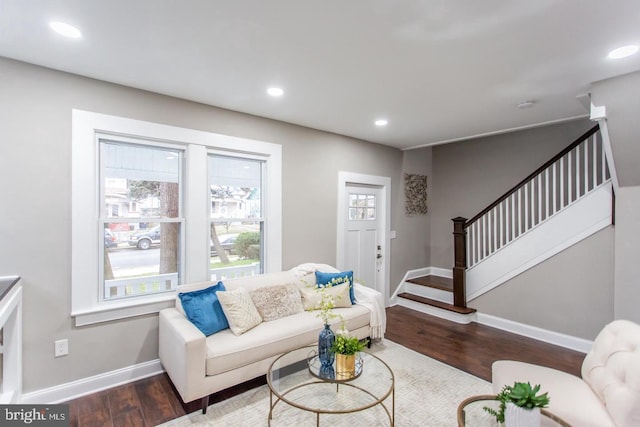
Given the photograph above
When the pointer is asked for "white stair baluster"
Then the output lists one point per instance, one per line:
(554, 187)
(570, 179)
(577, 172)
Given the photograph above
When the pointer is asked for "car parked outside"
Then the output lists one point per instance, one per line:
(227, 241)
(144, 240)
(110, 240)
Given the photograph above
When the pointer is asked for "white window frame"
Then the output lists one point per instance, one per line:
(86, 305)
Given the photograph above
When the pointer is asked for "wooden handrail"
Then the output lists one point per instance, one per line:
(532, 175)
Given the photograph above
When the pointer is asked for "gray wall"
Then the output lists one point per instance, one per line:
(35, 171)
(469, 175)
(621, 97)
(414, 238)
(571, 293)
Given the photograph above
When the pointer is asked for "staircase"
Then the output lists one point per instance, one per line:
(565, 200)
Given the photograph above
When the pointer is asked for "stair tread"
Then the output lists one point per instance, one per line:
(436, 282)
(438, 304)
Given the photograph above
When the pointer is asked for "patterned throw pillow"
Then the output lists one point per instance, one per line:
(311, 297)
(274, 302)
(239, 309)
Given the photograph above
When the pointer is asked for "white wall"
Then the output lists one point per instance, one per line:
(35, 229)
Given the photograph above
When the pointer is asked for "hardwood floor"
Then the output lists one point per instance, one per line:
(471, 348)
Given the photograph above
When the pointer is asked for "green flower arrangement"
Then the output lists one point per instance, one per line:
(348, 345)
(520, 394)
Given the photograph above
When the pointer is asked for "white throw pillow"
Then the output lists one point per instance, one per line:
(240, 311)
(311, 297)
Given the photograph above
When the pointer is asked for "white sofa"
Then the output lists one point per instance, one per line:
(607, 395)
(199, 366)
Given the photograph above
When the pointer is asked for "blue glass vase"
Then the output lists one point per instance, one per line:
(325, 341)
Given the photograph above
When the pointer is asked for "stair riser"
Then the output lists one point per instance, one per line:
(432, 293)
(438, 312)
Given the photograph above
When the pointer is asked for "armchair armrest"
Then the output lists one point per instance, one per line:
(182, 351)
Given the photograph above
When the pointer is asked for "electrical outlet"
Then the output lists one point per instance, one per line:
(61, 348)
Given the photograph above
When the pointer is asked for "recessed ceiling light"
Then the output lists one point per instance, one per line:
(65, 29)
(275, 91)
(381, 122)
(623, 52)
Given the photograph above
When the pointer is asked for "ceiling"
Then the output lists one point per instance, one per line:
(437, 70)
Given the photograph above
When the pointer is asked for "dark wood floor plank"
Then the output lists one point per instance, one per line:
(471, 348)
(73, 413)
(94, 411)
(155, 405)
(131, 418)
(123, 398)
(171, 393)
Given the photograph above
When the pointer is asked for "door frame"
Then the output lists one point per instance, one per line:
(384, 183)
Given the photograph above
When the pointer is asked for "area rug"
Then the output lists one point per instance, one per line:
(427, 393)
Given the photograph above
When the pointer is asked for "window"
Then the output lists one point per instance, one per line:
(146, 257)
(236, 220)
(144, 205)
(362, 207)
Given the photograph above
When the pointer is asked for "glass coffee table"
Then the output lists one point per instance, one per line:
(297, 379)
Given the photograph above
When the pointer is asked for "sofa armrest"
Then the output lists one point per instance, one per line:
(182, 350)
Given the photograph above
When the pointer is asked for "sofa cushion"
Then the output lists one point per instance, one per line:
(226, 351)
(311, 298)
(274, 302)
(240, 310)
(203, 309)
(336, 279)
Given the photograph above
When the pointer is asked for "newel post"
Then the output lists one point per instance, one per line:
(460, 262)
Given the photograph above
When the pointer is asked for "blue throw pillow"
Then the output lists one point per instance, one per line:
(323, 279)
(204, 310)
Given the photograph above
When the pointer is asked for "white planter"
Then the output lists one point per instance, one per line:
(515, 416)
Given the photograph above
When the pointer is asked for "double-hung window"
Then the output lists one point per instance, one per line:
(156, 206)
(236, 219)
(146, 256)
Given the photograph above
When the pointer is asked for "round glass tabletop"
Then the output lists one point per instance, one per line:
(297, 378)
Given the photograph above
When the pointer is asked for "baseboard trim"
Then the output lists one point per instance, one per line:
(442, 272)
(85, 386)
(545, 335)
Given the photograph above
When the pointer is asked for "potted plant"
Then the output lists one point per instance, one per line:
(346, 348)
(519, 405)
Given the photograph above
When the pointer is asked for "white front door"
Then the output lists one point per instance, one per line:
(363, 242)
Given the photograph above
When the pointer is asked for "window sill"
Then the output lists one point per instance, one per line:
(124, 309)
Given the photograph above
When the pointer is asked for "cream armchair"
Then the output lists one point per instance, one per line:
(608, 394)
